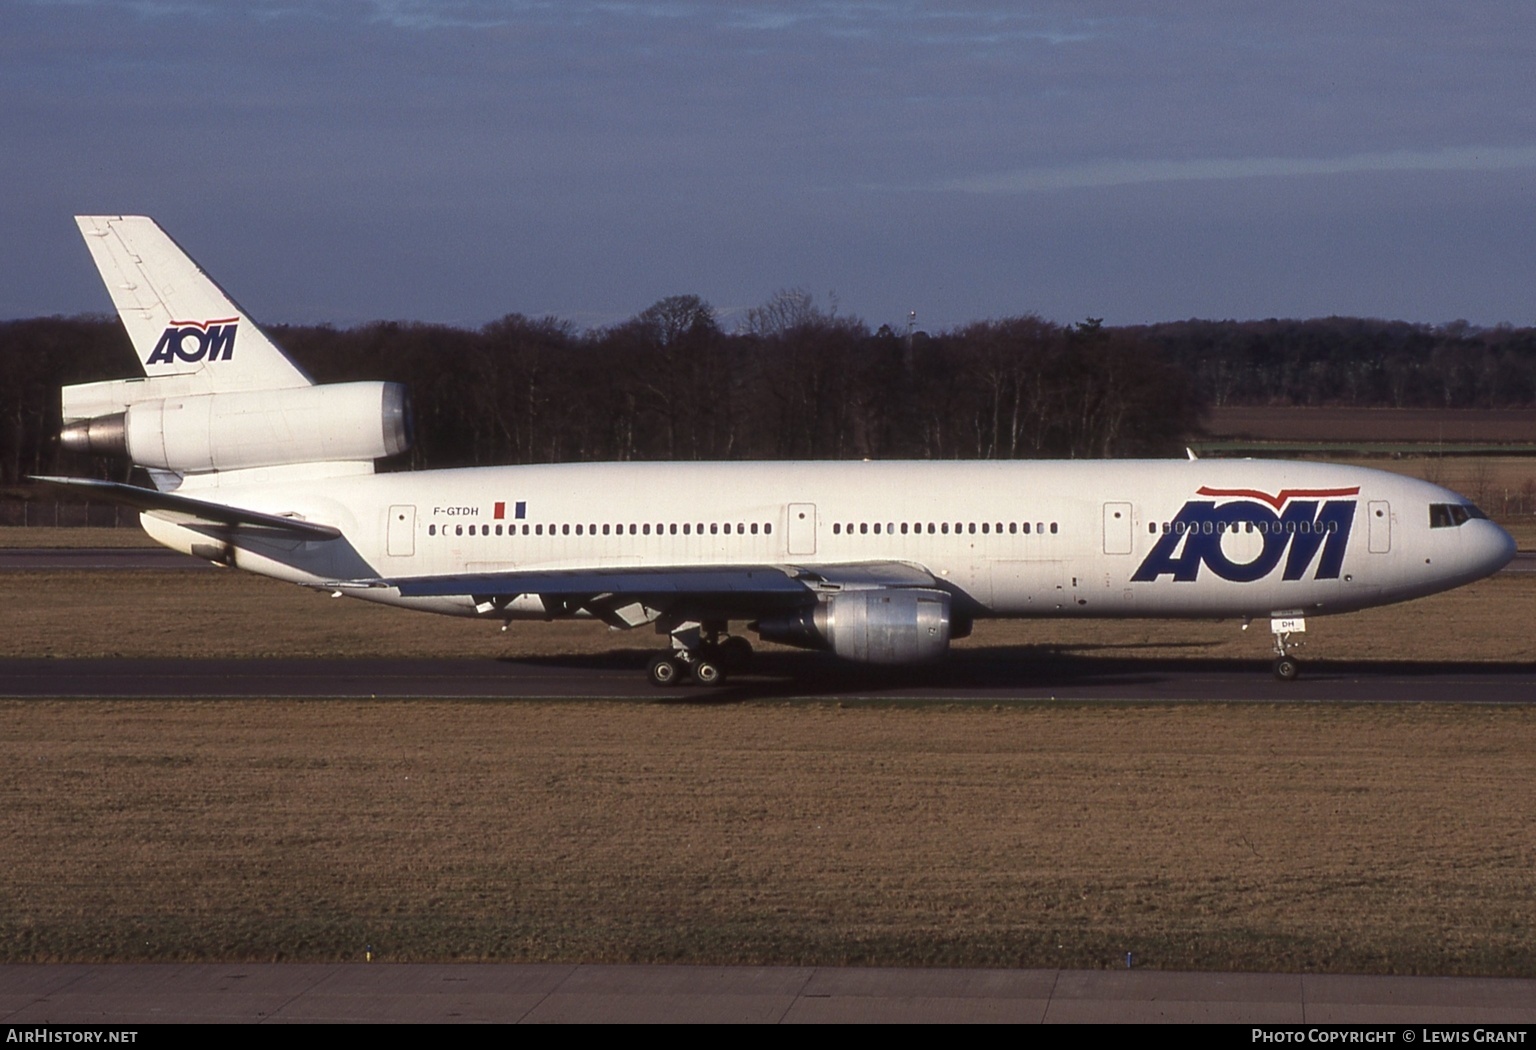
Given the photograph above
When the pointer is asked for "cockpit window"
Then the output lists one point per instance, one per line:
(1450, 515)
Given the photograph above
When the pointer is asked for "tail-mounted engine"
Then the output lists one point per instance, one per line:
(877, 626)
(155, 425)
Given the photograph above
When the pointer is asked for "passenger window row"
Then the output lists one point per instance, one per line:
(943, 528)
(687, 528)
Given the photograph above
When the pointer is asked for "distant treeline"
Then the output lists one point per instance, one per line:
(795, 381)
(1352, 361)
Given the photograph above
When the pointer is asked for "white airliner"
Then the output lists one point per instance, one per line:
(884, 562)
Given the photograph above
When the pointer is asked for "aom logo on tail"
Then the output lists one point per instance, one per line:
(1243, 535)
(195, 341)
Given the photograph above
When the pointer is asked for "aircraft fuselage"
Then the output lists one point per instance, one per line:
(1203, 538)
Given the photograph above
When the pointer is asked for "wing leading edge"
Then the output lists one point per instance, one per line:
(759, 579)
(626, 596)
(677, 579)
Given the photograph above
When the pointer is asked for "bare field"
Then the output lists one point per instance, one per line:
(1318, 839)
(232, 614)
(1361, 839)
(14, 536)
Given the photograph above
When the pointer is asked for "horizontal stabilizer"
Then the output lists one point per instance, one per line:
(194, 510)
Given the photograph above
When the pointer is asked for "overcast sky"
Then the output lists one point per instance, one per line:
(347, 161)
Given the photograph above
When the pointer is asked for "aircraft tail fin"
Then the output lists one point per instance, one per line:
(217, 394)
(180, 321)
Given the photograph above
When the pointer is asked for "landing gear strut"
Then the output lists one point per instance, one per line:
(701, 652)
(1287, 667)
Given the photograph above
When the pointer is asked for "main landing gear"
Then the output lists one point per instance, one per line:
(704, 655)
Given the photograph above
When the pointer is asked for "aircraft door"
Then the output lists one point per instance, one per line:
(402, 531)
(1381, 526)
(802, 528)
(1117, 528)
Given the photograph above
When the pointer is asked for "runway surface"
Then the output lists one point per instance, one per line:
(125, 995)
(95, 559)
(970, 676)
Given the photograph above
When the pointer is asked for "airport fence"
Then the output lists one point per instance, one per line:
(22, 512)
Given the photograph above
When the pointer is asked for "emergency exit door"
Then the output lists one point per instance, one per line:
(802, 528)
(402, 531)
(1117, 528)
(1381, 526)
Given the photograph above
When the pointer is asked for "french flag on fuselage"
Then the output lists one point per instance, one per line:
(519, 510)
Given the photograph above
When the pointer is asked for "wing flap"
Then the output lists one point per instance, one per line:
(793, 580)
(677, 580)
(625, 596)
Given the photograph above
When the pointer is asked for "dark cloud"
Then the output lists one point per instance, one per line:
(456, 161)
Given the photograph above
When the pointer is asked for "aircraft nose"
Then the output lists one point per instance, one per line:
(1495, 548)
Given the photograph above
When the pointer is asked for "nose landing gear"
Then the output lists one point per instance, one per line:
(1286, 666)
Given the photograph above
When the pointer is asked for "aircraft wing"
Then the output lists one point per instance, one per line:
(758, 579)
(697, 591)
(191, 511)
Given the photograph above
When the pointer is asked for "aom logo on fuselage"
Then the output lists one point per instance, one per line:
(1243, 535)
(195, 341)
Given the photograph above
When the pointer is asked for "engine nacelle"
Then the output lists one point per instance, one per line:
(878, 626)
(340, 422)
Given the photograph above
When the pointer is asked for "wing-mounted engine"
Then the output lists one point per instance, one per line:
(158, 422)
(879, 625)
